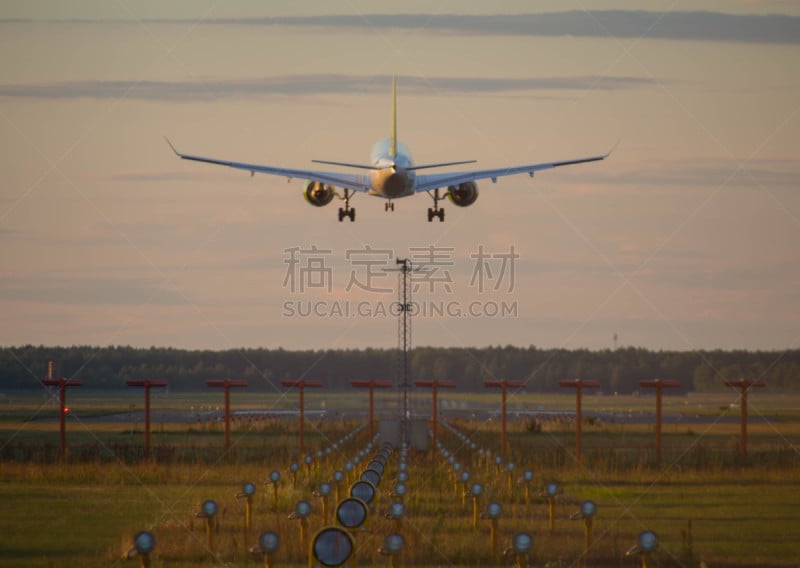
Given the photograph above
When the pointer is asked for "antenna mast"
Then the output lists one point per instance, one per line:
(404, 339)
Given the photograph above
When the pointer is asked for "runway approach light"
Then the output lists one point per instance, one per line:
(274, 480)
(527, 478)
(476, 490)
(332, 546)
(363, 490)
(493, 512)
(208, 511)
(550, 491)
(521, 545)
(143, 545)
(645, 544)
(396, 513)
(268, 544)
(248, 490)
(587, 512)
(351, 513)
(323, 492)
(393, 545)
(302, 510)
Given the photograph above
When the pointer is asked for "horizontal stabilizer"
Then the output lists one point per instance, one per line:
(345, 164)
(426, 166)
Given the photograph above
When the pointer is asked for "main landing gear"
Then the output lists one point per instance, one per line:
(436, 211)
(347, 211)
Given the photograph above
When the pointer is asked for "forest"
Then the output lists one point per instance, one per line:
(618, 370)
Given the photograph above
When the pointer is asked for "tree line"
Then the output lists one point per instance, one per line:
(618, 370)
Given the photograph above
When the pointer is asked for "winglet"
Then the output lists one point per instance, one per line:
(393, 134)
(614, 147)
(173, 148)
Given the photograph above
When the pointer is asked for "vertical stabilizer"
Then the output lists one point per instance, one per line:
(393, 135)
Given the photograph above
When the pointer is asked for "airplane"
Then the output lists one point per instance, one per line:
(391, 174)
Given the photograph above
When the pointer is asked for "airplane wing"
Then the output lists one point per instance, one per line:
(353, 182)
(428, 182)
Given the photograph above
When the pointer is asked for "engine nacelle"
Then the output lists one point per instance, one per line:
(464, 194)
(319, 194)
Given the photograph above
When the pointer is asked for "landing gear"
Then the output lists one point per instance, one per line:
(347, 211)
(436, 211)
(388, 206)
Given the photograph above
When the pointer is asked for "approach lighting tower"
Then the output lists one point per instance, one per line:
(227, 384)
(146, 384)
(302, 384)
(658, 384)
(744, 385)
(404, 307)
(504, 385)
(371, 384)
(435, 385)
(62, 385)
(578, 385)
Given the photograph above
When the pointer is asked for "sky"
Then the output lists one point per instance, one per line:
(684, 238)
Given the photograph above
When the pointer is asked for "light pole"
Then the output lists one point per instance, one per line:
(146, 384)
(744, 385)
(578, 385)
(504, 385)
(227, 384)
(302, 384)
(435, 385)
(658, 384)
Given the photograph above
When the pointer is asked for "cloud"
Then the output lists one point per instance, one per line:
(701, 26)
(89, 291)
(679, 25)
(298, 85)
(751, 174)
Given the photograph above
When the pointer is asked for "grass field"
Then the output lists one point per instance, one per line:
(85, 512)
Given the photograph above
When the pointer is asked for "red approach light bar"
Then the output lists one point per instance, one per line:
(655, 383)
(436, 384)
(63, 382)
(744, 383)
(146, 383)
(227, 383)
(302, 383)
(579, 383)
(371, 384)
(504, 384)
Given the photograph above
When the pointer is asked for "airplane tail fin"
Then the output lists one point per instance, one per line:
(393, 134)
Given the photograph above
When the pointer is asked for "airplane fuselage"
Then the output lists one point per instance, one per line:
(391, 177)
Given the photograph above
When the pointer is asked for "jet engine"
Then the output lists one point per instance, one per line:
(464, 194)
(319, 194)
